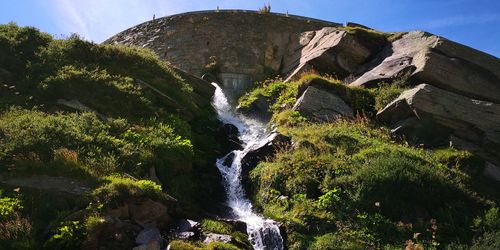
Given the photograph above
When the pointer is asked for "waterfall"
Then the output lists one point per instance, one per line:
(264, 234)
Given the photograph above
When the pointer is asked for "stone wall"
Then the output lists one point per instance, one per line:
(244, 42)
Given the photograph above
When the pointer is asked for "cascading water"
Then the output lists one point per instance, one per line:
(263, 233)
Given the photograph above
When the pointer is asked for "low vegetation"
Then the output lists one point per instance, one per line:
(282, 96)
(350, 185)
(96, 114)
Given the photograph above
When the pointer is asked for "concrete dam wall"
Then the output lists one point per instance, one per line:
(248, 46)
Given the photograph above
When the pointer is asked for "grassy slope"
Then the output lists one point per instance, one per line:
(129, 128)
(350, 185)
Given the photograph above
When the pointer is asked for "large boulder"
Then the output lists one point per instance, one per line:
(329, 51)
(113, 233)
(144, 212)
(318, 104)
(437, 61)
(472, 120)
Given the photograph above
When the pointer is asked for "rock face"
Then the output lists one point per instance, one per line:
(244, 42)
(472, 120)
(427, 58)
(318, 104)
(329, 50)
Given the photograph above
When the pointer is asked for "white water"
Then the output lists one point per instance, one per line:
(264, 234)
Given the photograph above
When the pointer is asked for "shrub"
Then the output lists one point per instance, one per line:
(385, 94)
(9, 207)
(118, 189)
(69, 235)
(16, 230)
(488, 241)
(372, 39)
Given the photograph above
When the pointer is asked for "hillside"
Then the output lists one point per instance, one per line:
(317, 136)
(102, 119)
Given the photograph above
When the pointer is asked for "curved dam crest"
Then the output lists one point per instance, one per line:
(247, 45)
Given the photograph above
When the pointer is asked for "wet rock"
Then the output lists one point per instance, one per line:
(183, 225)
(320, 105)
(269, 234)
(228, 161)
(217, 237)
(185, 229)
(230, 133)
(148, 235)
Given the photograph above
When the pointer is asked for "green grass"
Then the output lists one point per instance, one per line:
(119, 189)
(282, 96)
(184, 245)
(374, 40)
(127, 127)
(218, 227)
(350, 177)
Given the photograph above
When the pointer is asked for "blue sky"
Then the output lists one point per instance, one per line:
(475, 23)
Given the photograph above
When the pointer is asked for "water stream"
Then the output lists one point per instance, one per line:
(264, 234)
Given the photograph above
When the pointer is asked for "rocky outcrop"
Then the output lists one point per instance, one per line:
(113, 233)
(329, 51)
(144, 212)
(437, 61)
(472, 120)
(318, 104)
